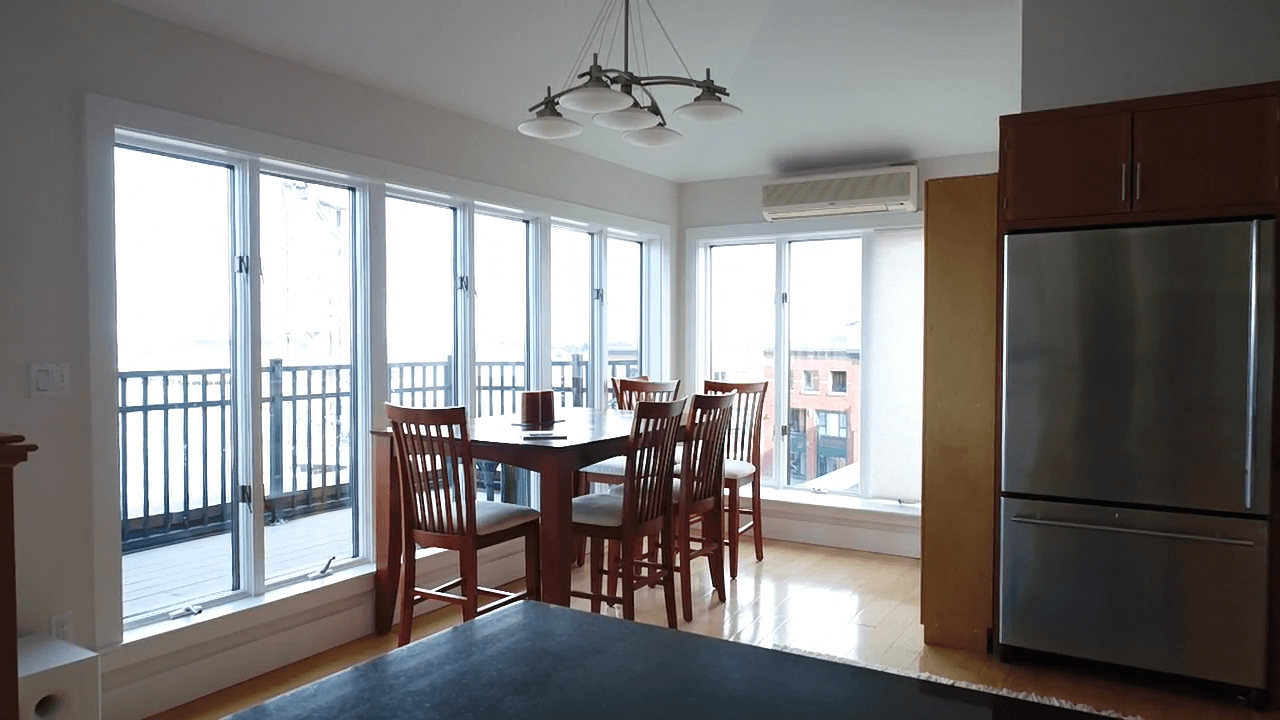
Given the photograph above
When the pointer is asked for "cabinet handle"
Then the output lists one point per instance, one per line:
(1124, 181)
(1137, 181)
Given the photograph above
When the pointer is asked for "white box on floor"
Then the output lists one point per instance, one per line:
(57, 680)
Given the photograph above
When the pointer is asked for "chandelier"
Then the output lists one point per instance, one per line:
(621, 99)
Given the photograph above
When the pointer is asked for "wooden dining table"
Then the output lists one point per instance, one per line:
(583, 436)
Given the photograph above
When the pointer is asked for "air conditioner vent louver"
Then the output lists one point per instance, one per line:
(879, 190)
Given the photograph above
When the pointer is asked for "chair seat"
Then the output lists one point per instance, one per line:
(603, 509)
(492, 517)
(617, 465)
(675, 489)
(739, 470)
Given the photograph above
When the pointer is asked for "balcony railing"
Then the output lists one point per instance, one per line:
(175, 439)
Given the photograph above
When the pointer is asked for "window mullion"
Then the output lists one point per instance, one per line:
(782, 366)
(248, 343)
(598, 367)
(538, 273)
(464, 309)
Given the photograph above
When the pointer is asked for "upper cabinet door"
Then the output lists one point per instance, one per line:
(1060, 168)
(1218, 155)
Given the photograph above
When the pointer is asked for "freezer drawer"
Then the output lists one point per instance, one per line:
(1177, 593)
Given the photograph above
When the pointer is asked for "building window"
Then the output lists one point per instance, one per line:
(839, 382)
(799, 446)
(833, 424)
(810, 380)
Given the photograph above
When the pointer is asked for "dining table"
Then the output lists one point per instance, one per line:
(579, 437)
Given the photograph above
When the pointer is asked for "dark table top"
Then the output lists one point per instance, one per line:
(531, 660)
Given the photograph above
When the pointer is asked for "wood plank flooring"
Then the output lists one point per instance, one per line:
(152, 580)
(856, 605)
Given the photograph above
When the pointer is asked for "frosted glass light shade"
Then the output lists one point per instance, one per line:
(550, 127)
(652, 137)
(596, 99)
(707, 108)
(632, 118)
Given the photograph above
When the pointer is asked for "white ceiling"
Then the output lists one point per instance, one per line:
(823, 83)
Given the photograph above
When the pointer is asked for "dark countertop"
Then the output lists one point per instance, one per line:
(533, 661)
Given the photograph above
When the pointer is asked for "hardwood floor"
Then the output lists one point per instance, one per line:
(857, 605)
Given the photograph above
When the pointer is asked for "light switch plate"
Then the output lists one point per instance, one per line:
(50, 379)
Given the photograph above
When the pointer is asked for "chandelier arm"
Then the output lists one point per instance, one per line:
(653, 105)
(649, 80)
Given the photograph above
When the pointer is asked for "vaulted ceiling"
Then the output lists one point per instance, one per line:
(823, 83)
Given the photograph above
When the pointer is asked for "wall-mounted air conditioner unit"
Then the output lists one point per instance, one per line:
(889, 189)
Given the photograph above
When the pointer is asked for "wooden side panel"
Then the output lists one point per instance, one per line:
(957, 533)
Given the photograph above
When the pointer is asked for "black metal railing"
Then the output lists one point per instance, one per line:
(176, 451)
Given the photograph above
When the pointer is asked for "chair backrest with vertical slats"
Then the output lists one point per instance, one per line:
(617, 394)
(743, 442)
(650, 461)
(437, 473)
(631, 391)
(702, 464)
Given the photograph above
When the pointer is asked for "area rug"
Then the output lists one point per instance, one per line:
(1029, 697)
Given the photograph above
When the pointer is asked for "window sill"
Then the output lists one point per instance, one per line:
(798, 499)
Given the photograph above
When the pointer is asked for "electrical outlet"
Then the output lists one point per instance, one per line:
(62, 626)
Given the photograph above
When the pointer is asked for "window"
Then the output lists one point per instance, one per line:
(500, 289)
(839, 381)
(244, 387)
(810, 380)
(623, 317)
(421, 355)
(190, 289)
(833, 424)
(794, 310)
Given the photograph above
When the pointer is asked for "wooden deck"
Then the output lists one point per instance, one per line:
(197, 570)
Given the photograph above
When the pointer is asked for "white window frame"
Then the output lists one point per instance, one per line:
(700, 242)
(104, 118)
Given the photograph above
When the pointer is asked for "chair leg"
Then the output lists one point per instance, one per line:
(580, 487)
(628, 572)
(615, 568)
(666, 551)
(757, 531)
(713, 531)
(735, 523)
(684, 551)
(406, 595)
(532, 565)
(597, 572)
(468, 562)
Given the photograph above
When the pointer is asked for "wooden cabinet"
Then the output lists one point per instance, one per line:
(1211, 154)
(1066, 167)
(1217, 155)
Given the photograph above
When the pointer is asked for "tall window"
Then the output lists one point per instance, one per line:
(421, 359)
(742, 305)
(571, 302)
(190, 455)
(501, 296)
(839, 364)
(624, 319)
(306, 242)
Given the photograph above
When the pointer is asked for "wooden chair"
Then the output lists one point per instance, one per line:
(700, 493)
(627, 391)
(642, 511)
(438, 501)
(617, 394)
(742, 463)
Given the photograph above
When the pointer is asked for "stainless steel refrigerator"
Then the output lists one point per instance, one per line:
(1136, 446)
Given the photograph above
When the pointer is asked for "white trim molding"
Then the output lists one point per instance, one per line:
(841, 522)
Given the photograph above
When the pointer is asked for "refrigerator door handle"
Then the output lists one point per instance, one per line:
(1130, 531)
(1251, 403)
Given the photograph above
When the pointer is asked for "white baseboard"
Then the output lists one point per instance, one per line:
(889, 533)
(144, 688)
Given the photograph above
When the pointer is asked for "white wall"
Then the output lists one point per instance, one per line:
(1076, 52)
(54, 52)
